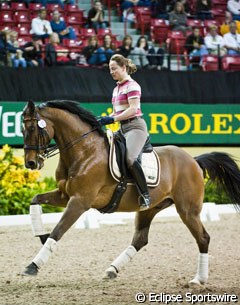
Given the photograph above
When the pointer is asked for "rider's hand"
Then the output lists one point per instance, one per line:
(105, 120)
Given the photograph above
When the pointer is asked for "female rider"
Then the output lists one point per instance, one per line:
(126, 110)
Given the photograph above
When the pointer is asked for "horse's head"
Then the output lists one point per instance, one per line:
(36, 136)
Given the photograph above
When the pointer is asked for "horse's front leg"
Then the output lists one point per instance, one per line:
(75, 208)
(55, 198)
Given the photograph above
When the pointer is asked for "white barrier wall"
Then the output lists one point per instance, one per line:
(92, 219)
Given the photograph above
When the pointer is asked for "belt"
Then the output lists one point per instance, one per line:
(130, 120)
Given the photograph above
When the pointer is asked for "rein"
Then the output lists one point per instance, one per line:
(51, 151)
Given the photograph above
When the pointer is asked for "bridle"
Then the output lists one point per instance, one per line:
(43, 144)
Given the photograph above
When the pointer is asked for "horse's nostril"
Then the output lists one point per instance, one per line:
(31, 164)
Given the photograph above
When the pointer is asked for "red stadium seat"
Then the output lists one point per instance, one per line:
(73, 10)
(22, 17)
(196, 23)
(102, 32)
(231, 63)
(176, 42)
(159, 30)
(5, 7)
(5, 28)
(24, 30)
(52, 7)
(22, 41)
(72, 45)
(6, 19)
(74, 20)
(87, 32)
(210, 63)
(143, 18)
(219, 4)
(19, 6)
(34, 7)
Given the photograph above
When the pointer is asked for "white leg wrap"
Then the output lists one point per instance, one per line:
(36, 220)
(124, 258)
(202, 271)
(43, 255)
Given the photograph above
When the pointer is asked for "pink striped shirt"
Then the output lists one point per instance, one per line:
(124, 91)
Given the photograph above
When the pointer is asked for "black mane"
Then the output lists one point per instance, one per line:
(75, 108)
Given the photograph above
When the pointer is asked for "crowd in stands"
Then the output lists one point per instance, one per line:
(56, 33)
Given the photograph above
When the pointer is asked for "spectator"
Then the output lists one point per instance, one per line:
(232, 40)
(91, 51)
(5, 48)
(106, 51)
(224, 28)
(137, 55)
(40, 25)
(187, 7)
(57, 55)
(178, 18)
(95, 18)
(33, 52)
(171, 4)
(58, 25)
(214, 42)
(234, 7)
(17, 60)
(159, 9)
(154, 58)
(203, 9)
(195, 46)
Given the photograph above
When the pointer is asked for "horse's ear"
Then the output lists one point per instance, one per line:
(31, 107)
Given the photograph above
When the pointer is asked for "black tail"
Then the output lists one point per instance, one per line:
(222, 169)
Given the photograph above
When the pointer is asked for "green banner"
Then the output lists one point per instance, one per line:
(167, 123)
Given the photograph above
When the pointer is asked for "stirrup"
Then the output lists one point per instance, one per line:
(144, 201)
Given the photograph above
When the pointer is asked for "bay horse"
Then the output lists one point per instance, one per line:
(84, 181)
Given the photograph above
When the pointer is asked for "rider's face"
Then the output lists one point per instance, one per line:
(117, 72)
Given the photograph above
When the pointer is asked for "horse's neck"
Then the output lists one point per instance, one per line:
(69, 136)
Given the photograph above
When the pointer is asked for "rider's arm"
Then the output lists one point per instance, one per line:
(130, 111)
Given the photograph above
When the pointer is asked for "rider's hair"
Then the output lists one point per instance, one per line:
(123, 61)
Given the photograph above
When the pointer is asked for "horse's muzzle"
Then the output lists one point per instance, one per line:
(31, 164)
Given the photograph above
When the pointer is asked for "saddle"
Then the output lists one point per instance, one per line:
(117, 164)
(117, 160)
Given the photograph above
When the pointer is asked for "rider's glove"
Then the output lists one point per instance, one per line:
(105, 120)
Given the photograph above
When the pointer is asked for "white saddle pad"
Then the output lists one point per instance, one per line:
(150, 164)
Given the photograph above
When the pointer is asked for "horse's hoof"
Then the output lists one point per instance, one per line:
(43, 238)
(30, 270)
(194, 282)
(111, 273)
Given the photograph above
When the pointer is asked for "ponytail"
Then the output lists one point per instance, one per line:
(123, 61)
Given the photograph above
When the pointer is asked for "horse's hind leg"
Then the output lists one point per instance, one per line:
(191, 218)
(140, 239)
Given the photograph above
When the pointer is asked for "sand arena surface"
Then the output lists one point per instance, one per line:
(73, 276)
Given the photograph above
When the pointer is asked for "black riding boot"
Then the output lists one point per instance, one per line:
(138, 175)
